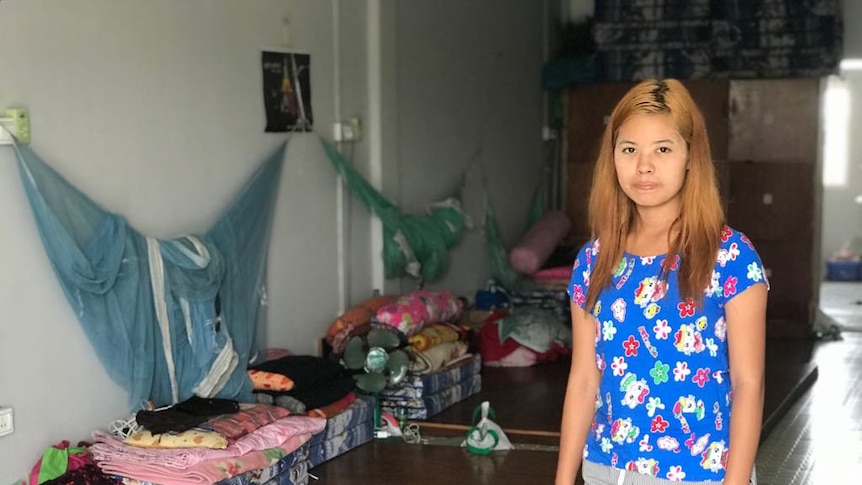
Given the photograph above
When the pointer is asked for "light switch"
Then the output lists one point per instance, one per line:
(7, 425)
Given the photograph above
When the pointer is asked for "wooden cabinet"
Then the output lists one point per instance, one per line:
(764, 137)
(771, 201)
(774, 120)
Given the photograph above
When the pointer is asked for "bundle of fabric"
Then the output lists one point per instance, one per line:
(413, 311)
(345, 429)
(62, 464)
(356, 321)
(522, 338)
(300, 383)
(257, 437)
(422, 396)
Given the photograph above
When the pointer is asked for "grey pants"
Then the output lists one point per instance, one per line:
(595, 474)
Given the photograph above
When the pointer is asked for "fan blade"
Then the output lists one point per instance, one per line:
(398, 364)
(372, 382)
(354, 354)
(379, 337)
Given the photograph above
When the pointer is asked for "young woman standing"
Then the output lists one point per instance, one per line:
(668, 311)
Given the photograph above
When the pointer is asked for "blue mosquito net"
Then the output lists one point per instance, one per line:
(168, 318)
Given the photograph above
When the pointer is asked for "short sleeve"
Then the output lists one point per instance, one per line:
(579, 283)
(739, 266)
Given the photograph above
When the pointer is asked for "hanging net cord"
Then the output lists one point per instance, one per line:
(415, 245)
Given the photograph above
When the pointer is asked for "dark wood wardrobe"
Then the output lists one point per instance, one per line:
(764, 136)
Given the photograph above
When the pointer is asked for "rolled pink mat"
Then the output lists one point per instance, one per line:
(555, 273)
(539, 242)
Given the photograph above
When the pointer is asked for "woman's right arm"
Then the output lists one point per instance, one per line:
(580, 403)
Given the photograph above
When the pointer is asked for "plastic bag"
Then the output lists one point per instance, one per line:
(485, 435)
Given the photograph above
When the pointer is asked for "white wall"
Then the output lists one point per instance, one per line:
(469, 96)
(154, 110)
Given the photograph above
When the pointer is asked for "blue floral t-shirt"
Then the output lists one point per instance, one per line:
(663, 406)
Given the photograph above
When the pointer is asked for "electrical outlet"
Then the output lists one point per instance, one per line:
(354, 126)
(17, 122)
(348, 130)
(7, 425)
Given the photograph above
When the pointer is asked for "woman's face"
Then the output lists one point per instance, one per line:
(651, 158)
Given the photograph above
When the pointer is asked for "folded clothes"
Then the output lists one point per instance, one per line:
(185, 415)
(306, 371)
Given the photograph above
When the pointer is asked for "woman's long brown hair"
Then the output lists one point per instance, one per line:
(612, 214)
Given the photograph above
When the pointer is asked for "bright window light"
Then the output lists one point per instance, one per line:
(836, 116)
(851, 64)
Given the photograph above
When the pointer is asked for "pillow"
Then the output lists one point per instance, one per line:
(414, 310)
(355, 321)
(539, 242)
(192, 438)
(262, 380)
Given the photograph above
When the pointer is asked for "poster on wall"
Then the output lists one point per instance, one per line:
(287, 91)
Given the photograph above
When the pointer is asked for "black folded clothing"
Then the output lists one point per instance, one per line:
(306, 371)
(185, 415)
(321, 394)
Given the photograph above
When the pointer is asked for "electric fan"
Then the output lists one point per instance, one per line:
(383, 363)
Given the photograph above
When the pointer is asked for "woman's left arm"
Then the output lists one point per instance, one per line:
(746, 340)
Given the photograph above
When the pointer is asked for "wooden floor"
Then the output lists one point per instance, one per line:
(528, 405)
(819, 440)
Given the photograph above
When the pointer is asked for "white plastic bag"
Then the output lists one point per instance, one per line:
(485, 435)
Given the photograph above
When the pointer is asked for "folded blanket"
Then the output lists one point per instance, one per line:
(209, 471)
(110, 451)
(290, 470)
(436, 334)
(432, 359)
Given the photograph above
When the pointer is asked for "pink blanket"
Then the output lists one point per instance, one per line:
(261, 448)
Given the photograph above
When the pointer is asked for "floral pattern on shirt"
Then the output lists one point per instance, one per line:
(665, 394)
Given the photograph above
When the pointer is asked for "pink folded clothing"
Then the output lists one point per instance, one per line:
(555, 273)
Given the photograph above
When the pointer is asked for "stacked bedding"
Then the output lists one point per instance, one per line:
(344, 431)
(257, 444)
(422, 396)
(442, 372)
(290, 470)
